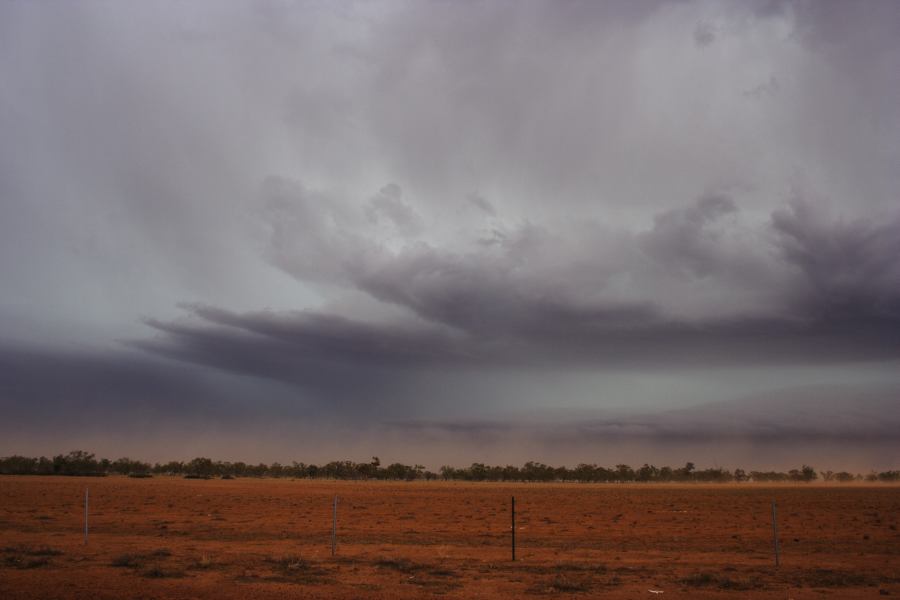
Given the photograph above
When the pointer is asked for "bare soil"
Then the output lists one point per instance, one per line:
(249, 538)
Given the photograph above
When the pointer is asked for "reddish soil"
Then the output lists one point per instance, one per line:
(176, 538)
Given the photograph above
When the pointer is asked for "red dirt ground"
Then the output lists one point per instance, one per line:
(174, 538)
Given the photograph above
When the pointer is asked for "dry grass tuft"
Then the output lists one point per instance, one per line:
(131, 561)
(158, 572)
(27, 557)
(723, 582)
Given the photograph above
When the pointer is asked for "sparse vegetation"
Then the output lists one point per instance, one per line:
(571, 578)
(724, 582)
(295, 569)
(83, 463)
(158, 572)
(26, 557)
(831, 578)
(127, 560)
(136, 561)
(564, 584)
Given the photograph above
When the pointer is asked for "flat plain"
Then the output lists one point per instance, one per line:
(168, 537)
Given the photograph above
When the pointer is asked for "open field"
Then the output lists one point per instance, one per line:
(265, 538)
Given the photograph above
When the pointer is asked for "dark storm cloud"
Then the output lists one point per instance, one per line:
(830, 287)
(439, 201)
(119, 404)
(89, 393)
(838, 300)
(300, 343)
(333, 355)
(849, 268)
(57, 387)
(680, 238)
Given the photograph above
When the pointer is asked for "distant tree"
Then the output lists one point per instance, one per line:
(686, 473)
(126, 466)
(889, 476)
(624, 473)
(808, 473)
(76, 462)
(400, 472)
(585, 472)
(666, 474)
(763, 476)
(535, 471)
(200, 467)
(805, 474)
(647, 473)
(79, 462)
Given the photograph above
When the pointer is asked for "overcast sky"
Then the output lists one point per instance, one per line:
(452, 231)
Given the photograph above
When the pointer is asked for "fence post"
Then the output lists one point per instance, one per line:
(85, 516)
(775, 533)
(514, 528)
(334, 527)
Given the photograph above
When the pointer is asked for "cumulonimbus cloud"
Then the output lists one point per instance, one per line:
(808, 290)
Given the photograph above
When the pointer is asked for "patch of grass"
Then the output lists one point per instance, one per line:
(751, 583)
(722, 582)
(700, 580)
(157, 572)
(436, 580)
(295, 569)
(34, 563)
(131, 561)
(19, 562)
(134, 561)
(399, 564)
(566, 584)
(562, 584)
(27, 557)
(570, 578)
(832, 578)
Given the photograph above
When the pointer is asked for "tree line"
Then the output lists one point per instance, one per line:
(81, 463)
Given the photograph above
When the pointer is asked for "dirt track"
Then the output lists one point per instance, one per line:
(176, 538)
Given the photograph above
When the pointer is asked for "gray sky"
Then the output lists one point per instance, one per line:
(452, 231)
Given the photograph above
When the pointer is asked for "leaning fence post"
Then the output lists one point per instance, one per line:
(334, 527)
(85, 516)
(775, 533)
(514, 528)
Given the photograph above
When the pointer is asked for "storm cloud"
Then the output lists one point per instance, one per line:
(827, 292)
(397, 215)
